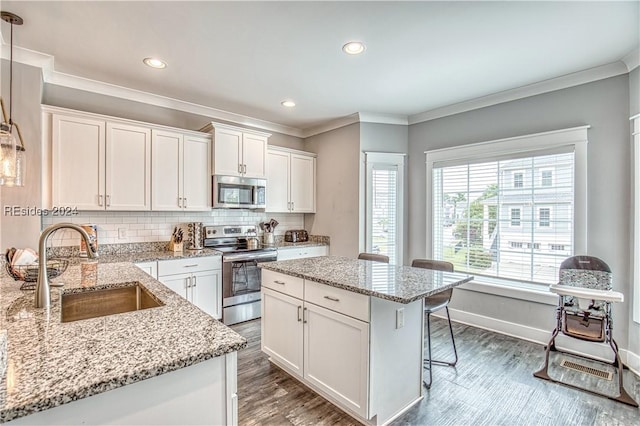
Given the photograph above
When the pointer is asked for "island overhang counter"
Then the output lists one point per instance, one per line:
(351, 330)
(168, 364)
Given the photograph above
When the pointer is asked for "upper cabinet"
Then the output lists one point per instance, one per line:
(291, 181)
(98, 165)
(237, 151)
(107, 163)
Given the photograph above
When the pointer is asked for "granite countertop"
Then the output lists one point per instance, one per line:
(284, 244)
(151, 256)
(45, 363)
(402, 284)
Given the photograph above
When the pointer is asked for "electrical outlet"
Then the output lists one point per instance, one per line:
(122, 233)
(399, 318)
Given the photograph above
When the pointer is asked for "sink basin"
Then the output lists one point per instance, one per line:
(98, 303)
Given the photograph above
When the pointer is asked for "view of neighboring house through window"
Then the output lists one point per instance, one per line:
(384, 200)
(499, 211)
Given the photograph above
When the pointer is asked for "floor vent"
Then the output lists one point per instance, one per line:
(607, 375)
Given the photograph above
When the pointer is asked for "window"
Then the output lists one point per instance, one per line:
(384, 202)
(544, 217)
(636, 208)
(515, 217)
(518, 179)
(501, 230)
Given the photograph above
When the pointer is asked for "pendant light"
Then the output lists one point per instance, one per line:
(12, 156)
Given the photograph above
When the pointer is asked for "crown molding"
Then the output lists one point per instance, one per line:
(332, 125)
(632, 59)
(370, 117)
(566, 81)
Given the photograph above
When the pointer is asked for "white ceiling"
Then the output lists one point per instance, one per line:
(245, 57)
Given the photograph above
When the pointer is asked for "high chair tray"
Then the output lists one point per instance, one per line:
(587, 293)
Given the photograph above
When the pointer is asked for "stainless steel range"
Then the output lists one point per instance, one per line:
(240, 273)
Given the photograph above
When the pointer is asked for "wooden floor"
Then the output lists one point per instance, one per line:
(491, 385)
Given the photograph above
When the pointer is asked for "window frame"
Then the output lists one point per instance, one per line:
(553, 180)
(573, 138)
(549, 224)
(635, 260)
(511, 210)
(513, 179)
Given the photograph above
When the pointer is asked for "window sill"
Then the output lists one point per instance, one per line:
(516, 290)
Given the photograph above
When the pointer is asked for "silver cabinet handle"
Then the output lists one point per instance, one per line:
(304, 320)
(279, 282)
(299, 308)
(100, 199)
(195, 281)
(293, 206)
(187, 282)
(184, 202)
(333, 299)
(190, 266)
(240, 168)
(108, 200)
(179, 201)
(245, 169)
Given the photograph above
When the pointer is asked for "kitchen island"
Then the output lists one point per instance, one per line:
(351, 330)
(171, 364)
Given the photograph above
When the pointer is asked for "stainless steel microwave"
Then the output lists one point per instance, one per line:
(233, 192)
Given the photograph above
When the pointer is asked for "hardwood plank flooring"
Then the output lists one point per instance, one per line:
(492, 384)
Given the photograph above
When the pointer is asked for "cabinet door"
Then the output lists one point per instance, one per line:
(303, 183)
(227, 152)
(281, 330)
(78, 152)
(166, 171)
(179, 283)
(207, 292)
(150, 268)
(128, 167)
(254, 155)
(336, 356)
(277, 181)
(197, 174)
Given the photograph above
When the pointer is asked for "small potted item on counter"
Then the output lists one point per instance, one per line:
(176, 240)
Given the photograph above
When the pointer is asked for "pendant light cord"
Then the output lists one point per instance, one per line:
(11, 82)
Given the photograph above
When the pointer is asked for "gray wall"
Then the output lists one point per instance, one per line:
(337, 188)
(634, 92)
(384, 138)
(634, 109)
(108, 105)
(605, 106)
(23, 231)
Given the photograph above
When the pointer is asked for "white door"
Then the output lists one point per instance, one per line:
(282, 329)
(227, 152)
(179, 283)
(303, 185)
(128, 167)
(78, 152)
(197, 174)
(207, 292)
(166, 171)
(254, 155)
(277, 181)
(336, 356)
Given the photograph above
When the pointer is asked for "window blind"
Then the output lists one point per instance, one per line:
(384, 181)
(511, 217)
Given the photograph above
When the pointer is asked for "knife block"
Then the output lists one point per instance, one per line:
(175, 247)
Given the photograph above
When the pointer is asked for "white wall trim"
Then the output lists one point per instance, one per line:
(331, 125)
(369, 117)
(563, 82)
(599, 351)
(635, 254)
(632, 60)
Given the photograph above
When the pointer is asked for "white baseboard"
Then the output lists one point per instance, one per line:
(598, 351)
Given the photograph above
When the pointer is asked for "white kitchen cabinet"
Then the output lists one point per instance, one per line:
(336, 356)
(290, 181)
(327, 349)
(181, 178)
(150, 268)
(282, 334)
(99, 165)
(286, 253)
(198, 280)
(238, 151)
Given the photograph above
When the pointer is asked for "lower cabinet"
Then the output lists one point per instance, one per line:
(201, 285)
(150, 268)
(325, 349)
(286, 253)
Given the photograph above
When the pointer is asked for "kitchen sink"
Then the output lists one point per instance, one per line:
(98, 303)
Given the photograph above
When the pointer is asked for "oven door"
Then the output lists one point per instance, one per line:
(241, 277)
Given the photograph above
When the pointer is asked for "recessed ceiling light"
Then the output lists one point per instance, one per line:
(288, 103)
(353, 48)
(155, 63)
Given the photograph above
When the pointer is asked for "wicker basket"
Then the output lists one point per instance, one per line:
(29, 273)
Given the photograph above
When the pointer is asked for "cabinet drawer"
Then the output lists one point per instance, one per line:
(193, 264)
(286, 253)
(345, 302)
(293, 286)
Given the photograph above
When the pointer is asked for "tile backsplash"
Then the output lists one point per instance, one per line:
(142, 227)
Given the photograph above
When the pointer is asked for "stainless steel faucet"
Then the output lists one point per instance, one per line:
(43, 293)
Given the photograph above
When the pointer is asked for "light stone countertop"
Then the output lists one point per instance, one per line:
(402, 284)
(45, 363)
